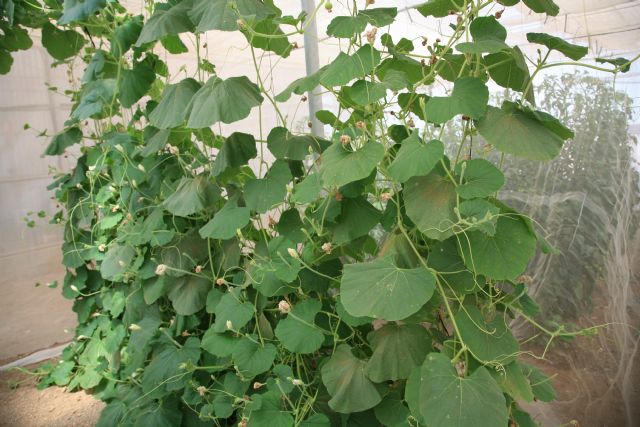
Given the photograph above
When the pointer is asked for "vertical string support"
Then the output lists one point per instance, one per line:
(312, 60)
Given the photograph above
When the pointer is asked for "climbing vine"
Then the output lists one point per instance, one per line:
(366, 278)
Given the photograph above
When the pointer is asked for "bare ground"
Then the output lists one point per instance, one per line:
(22, 405)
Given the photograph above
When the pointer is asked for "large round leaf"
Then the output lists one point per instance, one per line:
(397, 349)
(252, 358)
(447, 400)
(346, 381)
(469, 97)
(341, 166)
(225, 101)
(503, 256)
(489, 341)
(298, 332)
(415, 158)
(381, 290)
(173, 107)
(189, 294)
(429, 201)
(481, 178)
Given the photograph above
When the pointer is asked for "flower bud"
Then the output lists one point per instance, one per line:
(229, 325)
(161, 269)
(292, 252)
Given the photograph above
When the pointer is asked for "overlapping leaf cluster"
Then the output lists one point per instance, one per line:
(363, 279)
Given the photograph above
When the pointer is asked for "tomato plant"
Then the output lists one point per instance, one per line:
(368, 278)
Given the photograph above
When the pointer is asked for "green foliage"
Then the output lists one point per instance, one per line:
(364, 279)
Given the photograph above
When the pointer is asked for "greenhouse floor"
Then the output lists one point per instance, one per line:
(25, 406)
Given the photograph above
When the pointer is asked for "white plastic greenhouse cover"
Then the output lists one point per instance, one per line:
(596, 390)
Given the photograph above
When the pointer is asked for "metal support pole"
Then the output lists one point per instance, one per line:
(312, 61)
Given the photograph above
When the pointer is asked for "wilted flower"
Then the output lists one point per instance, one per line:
(327, 247)
(345, 139)
(198, 268)
(202, 390)
(371, 35)
(386, 196)
(220, 281)
(360, 124)
(161, 269)
(284, 307)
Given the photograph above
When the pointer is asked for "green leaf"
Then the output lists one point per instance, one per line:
(397, 350)
(346, 26)
(80, 10)
(191, 196)
(285, 145)
(237, 149)
(61, 44)
(469, 97)
(63, 140)
(622, 63)
(569, 50)
(316, 420)
(262, 194)
(224, 14)
(219, 344)
(447, 400)
(488, 36)
(135, 83)
(520, 132)
(307, 190)
(167, 19)
(380, 16)
(513, 381)
(251, 358)
(509, 70)
(95, 97)
(346, 381)
(298, 332)
(341, 166)
(345, 67)
(188, 294)
(232, 308)
(381, 290)
(484, 213)
(481, 178)
(392, 411)
(415, 158)
(274, 39)
(543, 6)
(301, 85)
(429, 202)
(173, 107)
(165, 370)
(271, 411)
(225, 222)
(439, 8)
(125, 35)
(363, 92)
(225, 101)
(540, 383)
(444, 258)
(356, 219)
(488, 341)
(116, 261)
(503, 256)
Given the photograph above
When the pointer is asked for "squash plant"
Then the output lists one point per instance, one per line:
(363, 279)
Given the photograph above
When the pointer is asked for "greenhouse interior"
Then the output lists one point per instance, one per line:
(320, 213)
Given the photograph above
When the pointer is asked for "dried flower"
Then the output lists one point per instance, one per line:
(220, 281)
(161, 269)
(327, 247)
(284, 307)
(360, 124)
(345, 139)
(338, 197)
(386, 197)
(198, 269)
(202, 390)
(371, 35)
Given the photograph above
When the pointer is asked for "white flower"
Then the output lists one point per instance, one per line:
(174, 150)
(257, 385)
(229, 325)
(327, 247)
(198, 268)
(74, 288)
(284, 307)
(141, 167)
(161, 269)
(297, 382)
(202, 390)
(293, 253)
(102, 247)
(386, 196)
(220, 281)
(134, 327)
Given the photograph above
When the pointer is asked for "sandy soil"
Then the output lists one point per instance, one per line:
(26, 406)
